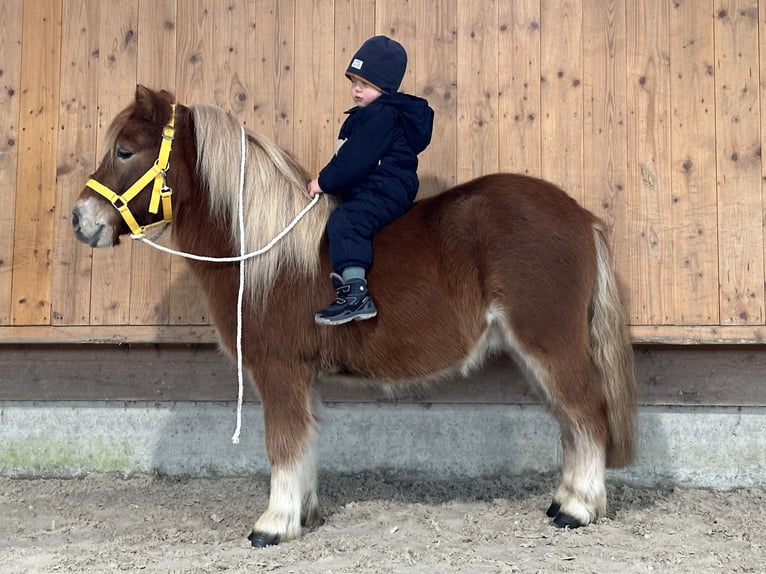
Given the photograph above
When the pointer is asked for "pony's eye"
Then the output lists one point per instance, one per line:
(123, 153)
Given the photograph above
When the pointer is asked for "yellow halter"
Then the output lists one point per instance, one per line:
(160, 191)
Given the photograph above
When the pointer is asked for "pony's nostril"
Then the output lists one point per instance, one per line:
(75, 219)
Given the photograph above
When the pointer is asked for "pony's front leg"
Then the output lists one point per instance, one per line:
(290, 437)
(292, 502)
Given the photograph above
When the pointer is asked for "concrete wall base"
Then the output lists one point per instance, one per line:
(712, 447)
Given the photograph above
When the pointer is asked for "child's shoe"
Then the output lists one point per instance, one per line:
(353, 303)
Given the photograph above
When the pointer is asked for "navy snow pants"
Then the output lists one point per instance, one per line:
(353, 224)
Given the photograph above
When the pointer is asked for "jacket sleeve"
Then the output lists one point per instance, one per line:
(358, 157)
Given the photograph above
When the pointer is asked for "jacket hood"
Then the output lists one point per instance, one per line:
(416, 116)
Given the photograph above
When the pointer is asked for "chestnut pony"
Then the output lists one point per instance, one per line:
(503, 263)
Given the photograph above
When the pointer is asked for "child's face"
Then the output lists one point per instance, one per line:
(363, 93)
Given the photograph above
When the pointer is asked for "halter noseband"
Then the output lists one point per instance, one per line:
(160, 190)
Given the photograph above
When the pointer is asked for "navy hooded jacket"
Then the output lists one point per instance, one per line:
(380, 145)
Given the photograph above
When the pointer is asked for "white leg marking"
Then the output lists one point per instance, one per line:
(289, 489)
(582, 494)
(293, 496)
(283, 516)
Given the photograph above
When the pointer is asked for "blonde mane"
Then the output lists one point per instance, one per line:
(274, 193)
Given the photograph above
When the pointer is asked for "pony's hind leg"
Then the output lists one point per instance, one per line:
(572, 393)
(290, 438)
(581, 497)
(310, 501)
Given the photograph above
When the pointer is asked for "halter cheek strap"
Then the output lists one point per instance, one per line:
(160, 191)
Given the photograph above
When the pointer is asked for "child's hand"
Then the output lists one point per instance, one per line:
(313, 187)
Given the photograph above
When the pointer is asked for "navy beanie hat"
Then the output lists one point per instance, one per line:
(381, 62)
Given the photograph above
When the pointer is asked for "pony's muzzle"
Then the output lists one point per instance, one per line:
(88, 227)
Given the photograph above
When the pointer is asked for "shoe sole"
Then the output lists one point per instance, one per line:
(344, 320)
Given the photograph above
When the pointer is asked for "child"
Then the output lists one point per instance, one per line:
(373, 172)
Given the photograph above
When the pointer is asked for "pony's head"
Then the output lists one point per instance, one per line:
(124, 194)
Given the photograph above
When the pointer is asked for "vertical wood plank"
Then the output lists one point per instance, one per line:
(195, 40)
(740, 205)
(605, 155)
(157, 39)
(78, 115)
(436, 80)
(650, 271)
(354, 22)
(762, 85)
(36, 183)
(230, 58)
(561, 95)
(315, 133)
(194, 84)
(118, 35)
(694, 209)
(155, 68)
(477, 106)
(519, 77)
(396, 19)
(271, 69)
(11, 16)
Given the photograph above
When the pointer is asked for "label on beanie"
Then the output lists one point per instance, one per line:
(357, 64)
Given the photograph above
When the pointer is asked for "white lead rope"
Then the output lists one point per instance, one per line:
(241, 258)
(240, 293)
(235, 258)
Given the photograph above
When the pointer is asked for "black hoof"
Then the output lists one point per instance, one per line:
(553, 509)
(261, 540)
(565, 521)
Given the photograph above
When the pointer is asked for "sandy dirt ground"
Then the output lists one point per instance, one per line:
(372, 525)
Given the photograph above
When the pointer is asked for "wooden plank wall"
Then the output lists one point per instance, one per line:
(649, 112)
(665, 375)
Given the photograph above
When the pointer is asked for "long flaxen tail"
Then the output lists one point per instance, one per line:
(612, 354)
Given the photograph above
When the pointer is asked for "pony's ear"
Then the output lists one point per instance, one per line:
(145, 102)
(143, 97)
(153, 105)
